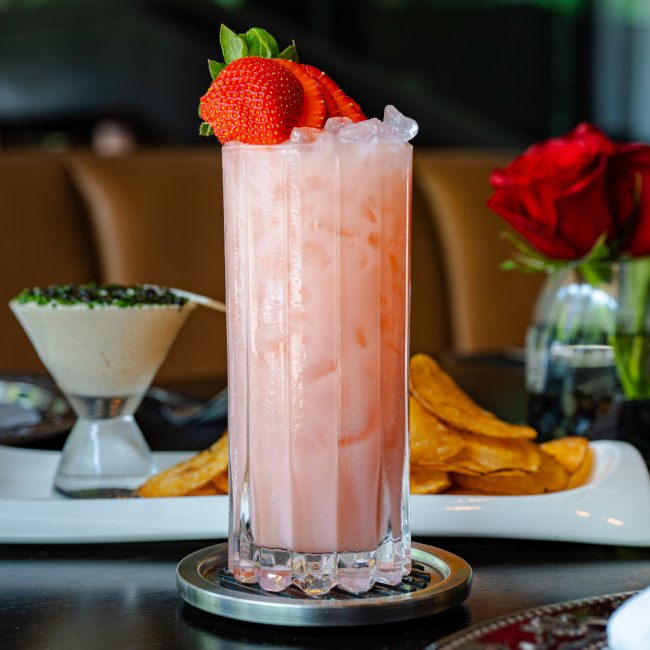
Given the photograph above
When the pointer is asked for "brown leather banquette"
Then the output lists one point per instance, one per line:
(157, 217)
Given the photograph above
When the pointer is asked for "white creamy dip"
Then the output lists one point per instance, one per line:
(105, 351)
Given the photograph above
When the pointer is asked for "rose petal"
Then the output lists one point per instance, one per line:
(546, 242)
(630, 160)
(585, 213)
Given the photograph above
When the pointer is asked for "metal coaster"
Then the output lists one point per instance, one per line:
(439, 580)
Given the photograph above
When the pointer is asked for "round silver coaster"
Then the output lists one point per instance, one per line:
(439, 580)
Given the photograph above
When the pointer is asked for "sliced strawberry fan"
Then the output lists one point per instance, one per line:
(314, 109)
(347, 107)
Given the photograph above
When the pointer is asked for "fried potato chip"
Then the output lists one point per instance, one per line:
(431, 440)
(550, 477)
(465, 466)
(439, 394)
(570, 452)
(501, 454)
(221, 447)
(207, 490)
(220, 481)
(460, 491)
(483, 455)
(189, 476)
(579, 477)
(428, 481)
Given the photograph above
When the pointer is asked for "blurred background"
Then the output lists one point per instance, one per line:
(119, 75)
(103, 175)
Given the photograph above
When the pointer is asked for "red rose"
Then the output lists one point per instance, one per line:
(630, 160)
(558, 194)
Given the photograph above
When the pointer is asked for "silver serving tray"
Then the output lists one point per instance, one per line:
(572, 625)
(439, 581)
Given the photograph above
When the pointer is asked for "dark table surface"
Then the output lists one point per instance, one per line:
(79, 597)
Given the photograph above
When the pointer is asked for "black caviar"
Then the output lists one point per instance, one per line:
(101, 294)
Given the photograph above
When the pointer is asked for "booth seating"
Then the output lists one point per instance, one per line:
(157, 217)
(487, 308)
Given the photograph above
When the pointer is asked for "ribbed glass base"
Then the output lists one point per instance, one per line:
(316, 574)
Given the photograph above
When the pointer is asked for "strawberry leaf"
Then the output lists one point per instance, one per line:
(233, 46)
(205, 129)
(215, 68)
(261, 43)
(290, 54)
(200, 111)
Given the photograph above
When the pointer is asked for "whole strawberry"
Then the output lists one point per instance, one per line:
(254, 100)
(260, 94)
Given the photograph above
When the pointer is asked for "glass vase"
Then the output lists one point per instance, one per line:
(571, 375)
(632, 349)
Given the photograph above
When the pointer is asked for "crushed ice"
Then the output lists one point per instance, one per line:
(405, 126)
(307, 135)
(395, 128)
(335, 124)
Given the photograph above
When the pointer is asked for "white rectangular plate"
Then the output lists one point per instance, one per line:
(613, 507)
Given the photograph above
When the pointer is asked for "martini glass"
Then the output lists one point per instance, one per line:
(103, 358)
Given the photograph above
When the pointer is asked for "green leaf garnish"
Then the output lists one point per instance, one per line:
(290, 54)
(200, 111)
(205, 129)
(233, 46)
(255, 42)
(261, 43)
(215, 68)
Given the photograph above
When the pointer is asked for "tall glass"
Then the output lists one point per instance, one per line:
(317, 256)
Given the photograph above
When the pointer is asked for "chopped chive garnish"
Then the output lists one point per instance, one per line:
(100, 294)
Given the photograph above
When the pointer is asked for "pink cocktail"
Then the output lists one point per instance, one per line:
(317, 255)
